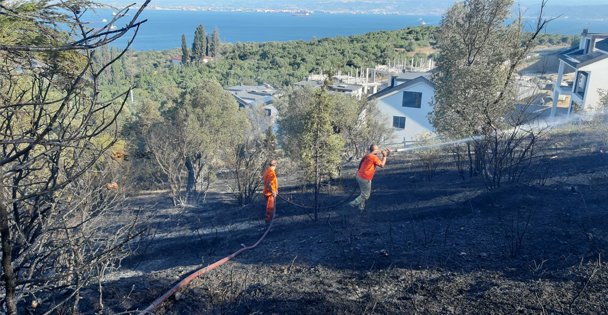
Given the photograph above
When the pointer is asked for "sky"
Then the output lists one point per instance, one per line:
(569, 2)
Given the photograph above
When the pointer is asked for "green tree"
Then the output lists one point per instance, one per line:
(270, 141)
(479, 55)
(199, 45)
(474, 45)
(603, 100)
(359, 123)
(185, 51)
(247, 162)
(601, 109)
(205, 124)
(214, 44)
(575, 41)
(308, 136)
(599, 123)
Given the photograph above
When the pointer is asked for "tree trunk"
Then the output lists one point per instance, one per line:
(479, 158)
(9, 276)
(316, 199)
(470, 160)
(317, 186)
(190, 185)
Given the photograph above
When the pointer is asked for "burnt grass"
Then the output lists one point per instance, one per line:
(438, 245)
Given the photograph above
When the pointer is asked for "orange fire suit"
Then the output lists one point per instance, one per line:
(271, 188)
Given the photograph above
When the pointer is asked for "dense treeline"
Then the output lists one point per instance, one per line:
(557, 39)
(281, 63)
(284, 63)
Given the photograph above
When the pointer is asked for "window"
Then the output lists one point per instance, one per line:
(268, 112)
(399, 122)
(581, 83)
(587, 46)
(412, 99)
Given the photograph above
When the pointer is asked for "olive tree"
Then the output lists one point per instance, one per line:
(359, 123)
(308, 136)
(479, 56)
(190, 142)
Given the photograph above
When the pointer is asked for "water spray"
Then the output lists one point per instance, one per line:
(535, 125)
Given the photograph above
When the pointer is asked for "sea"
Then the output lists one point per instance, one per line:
(164, 28)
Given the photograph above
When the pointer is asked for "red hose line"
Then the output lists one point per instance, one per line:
(335, 205)
(202, 271)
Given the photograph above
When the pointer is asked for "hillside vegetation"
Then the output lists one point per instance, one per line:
(283, 63)
(121, 171)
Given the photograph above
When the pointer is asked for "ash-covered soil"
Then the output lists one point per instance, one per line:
(439, 245)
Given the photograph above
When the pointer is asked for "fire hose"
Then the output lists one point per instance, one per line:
(337, 204)
(222, 261)
(202, 271)
(156, 303)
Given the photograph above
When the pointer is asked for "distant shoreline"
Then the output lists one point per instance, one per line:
(379, 12)
(297, 12)
(293, 11)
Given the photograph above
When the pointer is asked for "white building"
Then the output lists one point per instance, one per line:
(357, 86)
(405, 105)
(589, 64)
(353, 90)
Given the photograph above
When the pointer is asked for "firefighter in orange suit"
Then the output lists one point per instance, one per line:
(271, 189)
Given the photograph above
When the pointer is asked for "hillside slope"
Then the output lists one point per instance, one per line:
(441, 245)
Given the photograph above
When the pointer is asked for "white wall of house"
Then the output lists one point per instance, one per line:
(416, 119)
(598, 80)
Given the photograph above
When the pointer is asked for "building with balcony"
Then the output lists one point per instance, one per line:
(582, 74)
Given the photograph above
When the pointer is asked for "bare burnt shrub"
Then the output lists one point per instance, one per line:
(55, 130)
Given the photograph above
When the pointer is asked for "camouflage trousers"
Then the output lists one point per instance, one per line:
(365, 186)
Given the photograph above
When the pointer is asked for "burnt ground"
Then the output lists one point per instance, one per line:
(442, 245)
